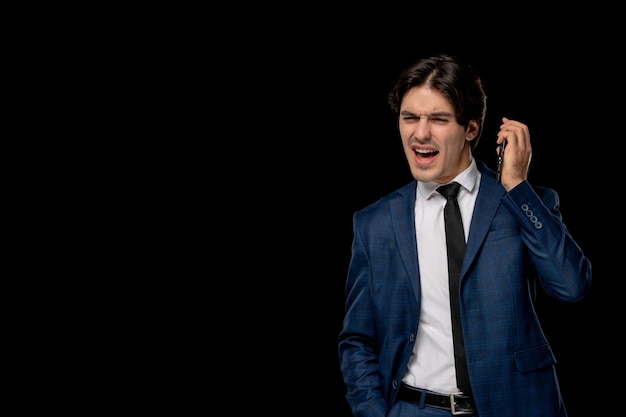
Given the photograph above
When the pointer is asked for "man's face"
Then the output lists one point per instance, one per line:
(437, 148)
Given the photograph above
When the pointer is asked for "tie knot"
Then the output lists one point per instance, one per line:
(449, 190)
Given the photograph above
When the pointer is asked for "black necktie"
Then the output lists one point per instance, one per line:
(455, 242)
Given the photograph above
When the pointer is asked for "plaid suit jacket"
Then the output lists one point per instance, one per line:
(515, 238)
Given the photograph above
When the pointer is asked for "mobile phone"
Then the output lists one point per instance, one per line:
(500, 157)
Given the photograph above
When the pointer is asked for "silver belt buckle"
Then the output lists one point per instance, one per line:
(453, 409)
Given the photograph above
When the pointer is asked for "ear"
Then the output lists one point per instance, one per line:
(472, 130)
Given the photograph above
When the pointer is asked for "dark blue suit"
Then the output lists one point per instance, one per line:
(514, 238)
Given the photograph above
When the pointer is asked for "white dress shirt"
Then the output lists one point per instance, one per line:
(432, 363)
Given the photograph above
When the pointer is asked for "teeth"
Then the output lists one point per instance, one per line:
(424, 151)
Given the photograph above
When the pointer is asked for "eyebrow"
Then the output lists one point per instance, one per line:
(435, 114)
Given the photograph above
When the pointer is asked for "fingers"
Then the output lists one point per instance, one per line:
(515, 132)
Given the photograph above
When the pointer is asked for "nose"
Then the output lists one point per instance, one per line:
(422, 128)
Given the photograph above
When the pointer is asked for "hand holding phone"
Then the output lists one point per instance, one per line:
(500, 158)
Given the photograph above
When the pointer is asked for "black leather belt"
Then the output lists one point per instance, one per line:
(457, 404)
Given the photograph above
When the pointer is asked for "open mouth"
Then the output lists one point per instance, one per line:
(424, 156)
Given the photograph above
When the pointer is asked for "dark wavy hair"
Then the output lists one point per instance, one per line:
(455, 79)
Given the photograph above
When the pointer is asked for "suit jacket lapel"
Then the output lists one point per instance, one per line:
(402, 217)
(487, 203)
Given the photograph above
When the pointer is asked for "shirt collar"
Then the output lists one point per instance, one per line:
(468, 180)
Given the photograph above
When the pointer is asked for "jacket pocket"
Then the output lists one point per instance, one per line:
(535, 358)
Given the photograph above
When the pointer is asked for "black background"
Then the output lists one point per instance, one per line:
(315, 141)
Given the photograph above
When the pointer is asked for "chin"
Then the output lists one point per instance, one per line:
(424, 174)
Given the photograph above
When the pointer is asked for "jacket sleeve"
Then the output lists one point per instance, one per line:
(358, 351)
(561, 266)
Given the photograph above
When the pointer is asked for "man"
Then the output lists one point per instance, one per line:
(396, 346)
